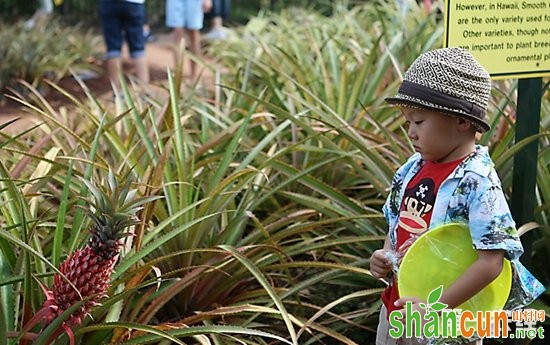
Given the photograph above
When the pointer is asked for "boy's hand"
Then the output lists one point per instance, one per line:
(206, 5)
(380, 265)
(415, 303)
(400, 303)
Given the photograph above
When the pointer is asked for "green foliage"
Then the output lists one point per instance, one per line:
(51, 53)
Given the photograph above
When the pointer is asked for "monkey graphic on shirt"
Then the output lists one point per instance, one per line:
(418, 202)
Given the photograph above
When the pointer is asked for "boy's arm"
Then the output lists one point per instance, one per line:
(480, 274)
(487, 206)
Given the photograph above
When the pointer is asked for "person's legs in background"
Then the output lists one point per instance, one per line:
(194, 47)
(186, 16)
(42, 13)
(112, 35)
(46, 6)
(134, 20)
(175, 20)
(220, 12)
(119, 17)
(147, 34)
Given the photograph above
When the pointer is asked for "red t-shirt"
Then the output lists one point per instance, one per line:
(416, 213)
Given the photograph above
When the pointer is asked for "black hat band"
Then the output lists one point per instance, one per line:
(440, 98)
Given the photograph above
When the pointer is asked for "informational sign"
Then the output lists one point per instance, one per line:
(510, 38)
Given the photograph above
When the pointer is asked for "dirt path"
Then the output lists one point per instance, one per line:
(159, 56)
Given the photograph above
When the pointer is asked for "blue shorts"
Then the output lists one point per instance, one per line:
(122, 20)
(185, 14)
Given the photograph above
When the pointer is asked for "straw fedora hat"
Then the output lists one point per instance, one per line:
(449, 80)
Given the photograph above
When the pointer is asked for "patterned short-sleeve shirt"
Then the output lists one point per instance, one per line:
(471, 195)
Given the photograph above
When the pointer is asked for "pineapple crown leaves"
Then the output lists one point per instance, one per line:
(116, 205)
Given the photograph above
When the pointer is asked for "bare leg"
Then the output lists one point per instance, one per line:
(217, 31)
(217, 23)
(142, 69)
(112, 66)
(194, 48)
(41, 15)
(178, 37)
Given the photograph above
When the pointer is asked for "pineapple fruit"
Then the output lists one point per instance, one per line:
(86, 273)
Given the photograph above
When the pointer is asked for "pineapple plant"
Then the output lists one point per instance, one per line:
(85, 274)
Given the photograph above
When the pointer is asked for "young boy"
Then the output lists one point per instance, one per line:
(443, 97)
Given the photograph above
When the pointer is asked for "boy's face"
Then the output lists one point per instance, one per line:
(439, 137)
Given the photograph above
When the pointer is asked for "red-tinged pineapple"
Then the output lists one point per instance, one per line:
(86, 273)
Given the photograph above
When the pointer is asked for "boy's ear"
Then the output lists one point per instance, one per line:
(464, 124)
